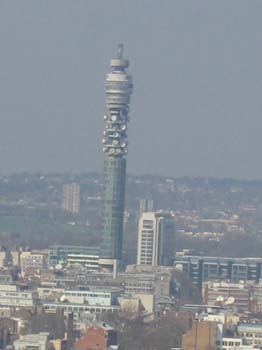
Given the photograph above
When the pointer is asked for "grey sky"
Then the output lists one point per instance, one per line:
(196, 65)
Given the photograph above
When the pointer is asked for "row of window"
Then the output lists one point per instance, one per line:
(87, 294)
(253, 335)
(78, 308)
(14, 294)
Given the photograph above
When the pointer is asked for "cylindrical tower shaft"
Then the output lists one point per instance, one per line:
(118, 91)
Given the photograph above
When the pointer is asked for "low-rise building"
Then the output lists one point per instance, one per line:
(32, 260)
(251, 333)
(224, 293)
(69, 254)
(6, 276)
(77, 309)
(87, 260)
(99, 336)
(230, 343)
(32, 342)
(202, 335)
(50, 293)
(11, 295)
(104, 297)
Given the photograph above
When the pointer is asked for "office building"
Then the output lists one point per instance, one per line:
(104, 297)
(155, 239)
(70, 254)
(12, 296)
(71, 198)
(76, 309)
(203, 268)
(118, 92)
(91, 262)
(89, 301)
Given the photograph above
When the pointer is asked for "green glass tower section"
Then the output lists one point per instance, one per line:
(113, 207)
(118, 92)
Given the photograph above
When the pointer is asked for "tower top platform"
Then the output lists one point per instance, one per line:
(119, 62)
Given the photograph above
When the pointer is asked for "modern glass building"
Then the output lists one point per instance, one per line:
(118, 91)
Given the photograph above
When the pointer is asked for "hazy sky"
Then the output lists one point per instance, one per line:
(196, 65)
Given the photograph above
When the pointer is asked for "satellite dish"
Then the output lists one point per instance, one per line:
(220, 299)
(63, 298)
(230, 301)
(58, 267)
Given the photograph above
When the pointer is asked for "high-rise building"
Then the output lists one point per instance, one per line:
(155, 239)
(71, 198)
(118, 91)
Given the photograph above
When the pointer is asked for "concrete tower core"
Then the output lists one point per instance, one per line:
(118, 88)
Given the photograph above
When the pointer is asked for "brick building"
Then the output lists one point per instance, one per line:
(226, 293)
(99, 336)
(201, 336)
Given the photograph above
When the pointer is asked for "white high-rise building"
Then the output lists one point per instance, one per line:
(155, 238)
(71, 198)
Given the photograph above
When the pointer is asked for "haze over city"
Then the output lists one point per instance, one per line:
(196, 108)
(152, 245)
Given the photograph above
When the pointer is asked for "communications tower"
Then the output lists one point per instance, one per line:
(118, 88)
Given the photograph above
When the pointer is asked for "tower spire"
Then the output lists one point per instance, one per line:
(120, 50)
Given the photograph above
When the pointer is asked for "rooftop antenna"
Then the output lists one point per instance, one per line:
(120, 51)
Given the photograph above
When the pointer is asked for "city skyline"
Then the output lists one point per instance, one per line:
(198, 83)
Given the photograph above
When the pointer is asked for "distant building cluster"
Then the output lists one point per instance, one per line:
(87, 297)
(222, 329)
(71, 198)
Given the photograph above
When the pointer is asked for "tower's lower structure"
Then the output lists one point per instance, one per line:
(113, 207)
